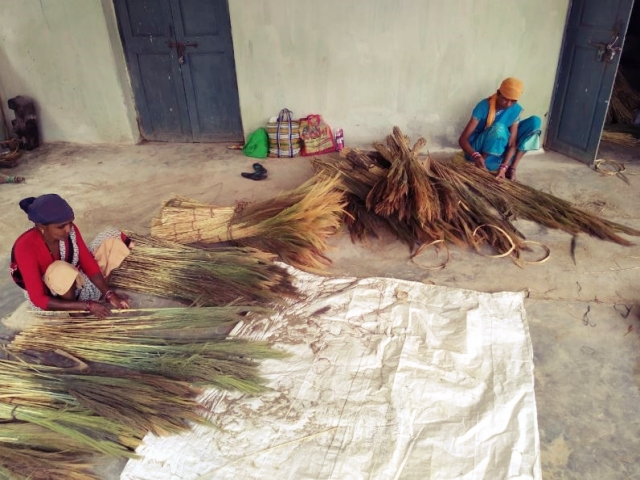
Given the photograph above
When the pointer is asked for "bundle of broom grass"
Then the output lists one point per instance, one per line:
(46, 434)
(202, 275)
(464, 205)
(186, 344)
(135, 372)
(625, 100)
(621, 138)
(294, 225)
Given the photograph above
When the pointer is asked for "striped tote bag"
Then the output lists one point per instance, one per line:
(284, 135)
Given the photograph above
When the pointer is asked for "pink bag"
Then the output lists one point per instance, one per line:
(316, 136)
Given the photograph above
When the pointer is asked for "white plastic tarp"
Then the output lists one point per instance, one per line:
(387, 379)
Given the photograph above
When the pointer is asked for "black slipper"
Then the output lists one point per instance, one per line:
(259, 174)
(259, 168)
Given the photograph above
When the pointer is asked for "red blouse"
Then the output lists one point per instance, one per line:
(33, 258)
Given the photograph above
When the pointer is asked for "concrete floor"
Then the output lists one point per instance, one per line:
(583, 317)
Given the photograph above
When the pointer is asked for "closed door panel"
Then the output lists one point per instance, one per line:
(211, 89)
(180, 59)
(147, 33)
(588, 65)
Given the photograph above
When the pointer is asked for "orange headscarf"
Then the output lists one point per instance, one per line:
(510, 88)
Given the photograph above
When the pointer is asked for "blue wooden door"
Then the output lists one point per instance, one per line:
(589, 61)
(180, 59)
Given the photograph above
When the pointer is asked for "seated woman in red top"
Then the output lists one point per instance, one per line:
(53, 264)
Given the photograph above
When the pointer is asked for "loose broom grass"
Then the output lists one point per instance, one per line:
(19, 462)
(139, 343)
(203, 276)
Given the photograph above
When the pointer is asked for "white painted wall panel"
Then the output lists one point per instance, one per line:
(62, 53)
(367, 65)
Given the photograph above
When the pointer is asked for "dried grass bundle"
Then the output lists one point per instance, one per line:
(294, 225)
(297, 231)
(620, 138)
(472, 208)
(203, 276)
(406, 191)
(19, 462)
(184, 220)
(625, 100)
(78, 425)
(133, 373)
(511, 198)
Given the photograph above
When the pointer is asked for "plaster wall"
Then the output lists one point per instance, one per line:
(367, 65)
(67, 56)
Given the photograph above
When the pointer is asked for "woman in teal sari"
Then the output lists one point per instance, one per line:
(495, 137)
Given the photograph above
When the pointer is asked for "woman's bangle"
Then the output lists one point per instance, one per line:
(476, 155)
(88, 305)
(504, 166)
(108, 295)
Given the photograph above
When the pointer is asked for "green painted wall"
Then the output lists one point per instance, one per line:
(66, 55)
(367, 65)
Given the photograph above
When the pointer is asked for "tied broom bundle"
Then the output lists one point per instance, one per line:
(203, 276)
(294, 225)
(165, 342)
(405, 192)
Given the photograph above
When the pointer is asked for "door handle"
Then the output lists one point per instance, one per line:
(607, 51)
(181, 48)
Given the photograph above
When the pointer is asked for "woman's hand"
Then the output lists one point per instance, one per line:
(501, 172)
(118, 301)
(99, 310)
(478, 160)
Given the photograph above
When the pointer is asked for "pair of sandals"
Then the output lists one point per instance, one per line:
(259, 172)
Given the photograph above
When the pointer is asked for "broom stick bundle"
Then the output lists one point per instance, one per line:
(295, 225)
(202, 276)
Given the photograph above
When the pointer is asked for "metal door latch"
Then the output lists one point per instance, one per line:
(180, 49)
(607, 51)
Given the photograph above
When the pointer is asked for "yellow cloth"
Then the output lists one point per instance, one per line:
(511, 88)
(492, 110)
(110, 254)
(61, 276)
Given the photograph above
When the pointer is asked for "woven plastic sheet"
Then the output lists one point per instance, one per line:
(387, 379)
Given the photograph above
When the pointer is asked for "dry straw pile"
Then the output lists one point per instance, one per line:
(426, 202)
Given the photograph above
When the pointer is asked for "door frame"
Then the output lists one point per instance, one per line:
(125, 79)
